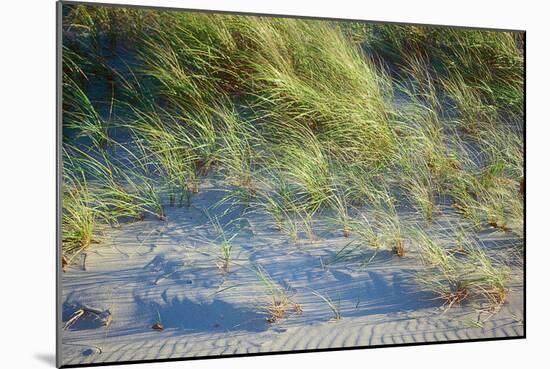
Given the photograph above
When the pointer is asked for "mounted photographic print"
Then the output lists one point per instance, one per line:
(239, 184)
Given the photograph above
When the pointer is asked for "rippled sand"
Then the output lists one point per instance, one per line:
(152, 271)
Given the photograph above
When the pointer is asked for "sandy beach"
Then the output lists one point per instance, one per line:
(154, 271)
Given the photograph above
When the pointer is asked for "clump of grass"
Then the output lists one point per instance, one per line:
(296, 221)
(120, 190)
(78, 215)
(472, 114)
(461, 270)
(486, 189)
(334, 307)
(173, 148)
(80, 115)
(307, 221)
(390, 228)
(305, 163)
(362, 185)
(278, 302)
(447, 281)
(97, 191)
(292, 201)
(339, 203)
(271, 204)
(426, 160)
(276, 199)
(491, 280)
(365, 230)
(291, 228)
(225, 244)
(237, 157)
(419, 186)
(465, 200)
(501, 178)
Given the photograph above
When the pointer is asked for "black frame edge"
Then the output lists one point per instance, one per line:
(279, 15)
(58, 169)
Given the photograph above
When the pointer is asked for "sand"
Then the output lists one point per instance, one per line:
(169, 272)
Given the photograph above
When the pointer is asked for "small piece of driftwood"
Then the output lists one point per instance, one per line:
(158, 327)
(105, 317)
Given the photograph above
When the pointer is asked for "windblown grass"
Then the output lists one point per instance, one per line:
(78, 217)
(307, 167)
(489, 63)
(278, 303)
(334, 306)
(300, 124)
(461, 270)
(225, 244)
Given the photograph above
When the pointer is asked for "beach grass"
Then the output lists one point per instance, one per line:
(302, 121)
(278, 304)
(461, 269)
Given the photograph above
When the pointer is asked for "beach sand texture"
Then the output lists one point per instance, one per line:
(169, 272)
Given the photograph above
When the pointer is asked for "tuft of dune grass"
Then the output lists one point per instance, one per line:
(461, 270)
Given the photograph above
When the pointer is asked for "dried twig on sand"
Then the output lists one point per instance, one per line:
(104, 317)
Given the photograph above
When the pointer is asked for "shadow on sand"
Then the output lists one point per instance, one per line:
(185, 314)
